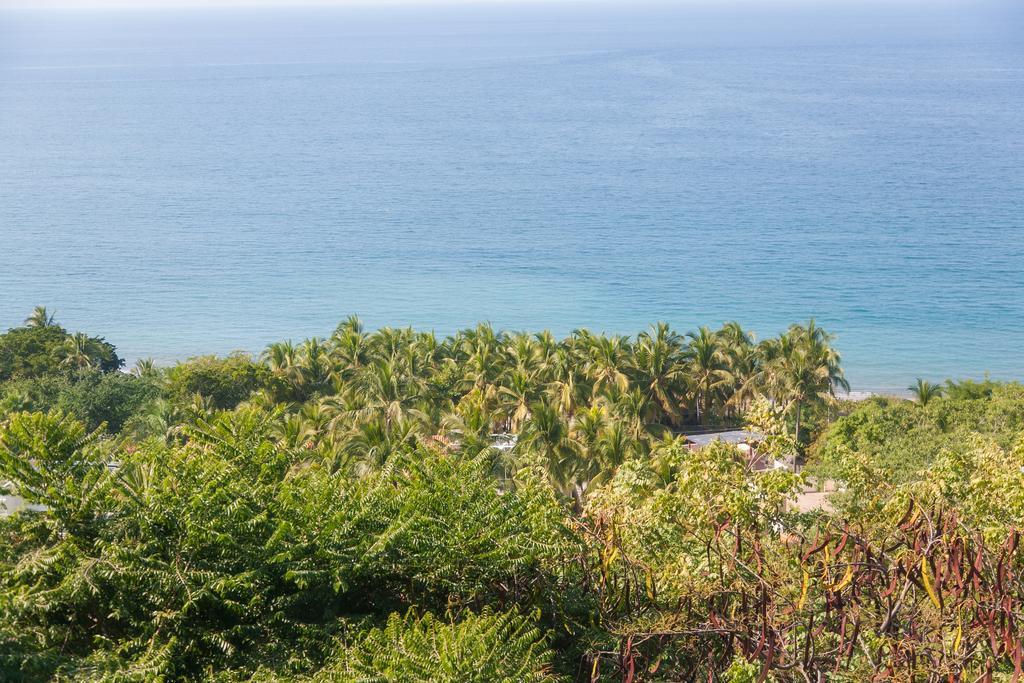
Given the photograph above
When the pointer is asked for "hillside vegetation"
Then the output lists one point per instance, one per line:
(390, 506)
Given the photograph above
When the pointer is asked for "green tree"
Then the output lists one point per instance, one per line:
(485, 648)
(658, 362)
(82, 352)
(924, 391)
(801, 368)
(547, 437)
(31, 352)
(226, 381)
(53, 460)
(606, 362)
(109, 399)
(706, 369)
(40, 318)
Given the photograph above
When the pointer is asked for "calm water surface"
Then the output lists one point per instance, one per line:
(201, 181)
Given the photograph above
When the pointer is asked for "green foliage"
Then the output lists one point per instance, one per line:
(663, 522)
(902, 439)
(308, 515)
(891, 432)
(51, 459)
(981, 480)
(486, 647)
(31, 352)
(431, 526)
(43, 367)
(225, 382)
(36, 394)
(766, 419)
(110, 399)
(969, 390)
(742, 671)
(94, 397)
(198, 557)
(924, 391)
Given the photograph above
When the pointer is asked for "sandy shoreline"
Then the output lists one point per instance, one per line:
(864, 394)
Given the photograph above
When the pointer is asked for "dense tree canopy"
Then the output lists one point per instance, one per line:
(390, 506)
(31, 352)
(904, 438)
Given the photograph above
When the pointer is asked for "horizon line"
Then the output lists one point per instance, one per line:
(146, 5)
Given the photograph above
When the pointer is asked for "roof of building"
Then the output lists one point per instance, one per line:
(736, 436)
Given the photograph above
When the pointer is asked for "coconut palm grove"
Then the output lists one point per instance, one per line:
(389, 505)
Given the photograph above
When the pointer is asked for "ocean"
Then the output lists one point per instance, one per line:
(198, 181)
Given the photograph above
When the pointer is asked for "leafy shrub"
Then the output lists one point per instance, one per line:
(487, 648)
(27, 352)
(226, 382)
(218, 555)
(32, 394)
(93, 396)
(902, 438)
(112, 398)
(430, 527)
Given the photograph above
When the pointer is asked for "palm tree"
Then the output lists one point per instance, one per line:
(547, 347)
(568, 388)
(547, 436)
(423, 355)
(587, 426)
(280, 356)
(350, 324)
(733, 335)
(350, 348)
(605, 363)
(801, 367)
(282, 359)
(484, 364)
(376, 442)
(40, 318)
(160, 418)
(146, 368)
(314, 368)
(389, 341)
(387, 394)
(603, 443)
(614, 446)
(658, 365)
(518, 391)
(741, 360)
(471, 419)
(81, 352)
(295, 431)
(633, 410)
(705, 368)
(525, 353)
(924, 391)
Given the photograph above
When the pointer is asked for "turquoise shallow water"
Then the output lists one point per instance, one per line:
(187, 182)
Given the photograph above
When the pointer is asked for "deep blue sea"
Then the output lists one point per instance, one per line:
(206, 180)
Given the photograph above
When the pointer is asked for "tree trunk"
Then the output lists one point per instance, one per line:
(578, 491)
(796, 437)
